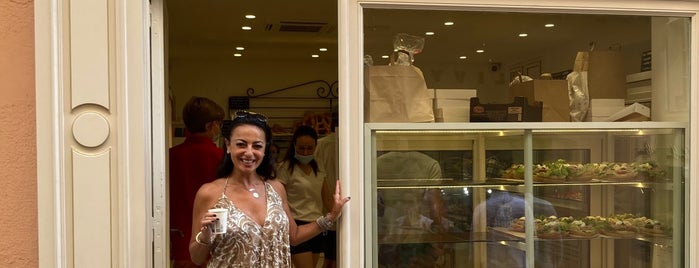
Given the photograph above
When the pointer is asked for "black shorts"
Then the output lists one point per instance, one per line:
(330, 252)
(314, 244)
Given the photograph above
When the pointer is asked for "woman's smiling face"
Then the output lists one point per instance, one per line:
(246, 147)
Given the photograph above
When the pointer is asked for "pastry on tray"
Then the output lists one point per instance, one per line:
(552, 228)
(515, 171)
(580, 229)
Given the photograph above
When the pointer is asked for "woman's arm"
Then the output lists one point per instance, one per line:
(300, 234)
(199, 247)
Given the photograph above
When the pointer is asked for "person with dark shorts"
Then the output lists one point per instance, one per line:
(304, 181)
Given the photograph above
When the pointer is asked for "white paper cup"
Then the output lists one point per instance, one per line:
(221, 225)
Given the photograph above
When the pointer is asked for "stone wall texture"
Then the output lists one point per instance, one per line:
(18, 181)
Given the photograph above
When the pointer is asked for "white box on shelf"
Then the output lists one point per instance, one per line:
(605, 107)
(452, 114)
(444, 103)
(462, 94)
(634, 112)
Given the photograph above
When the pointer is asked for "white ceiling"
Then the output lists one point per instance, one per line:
(212, 29)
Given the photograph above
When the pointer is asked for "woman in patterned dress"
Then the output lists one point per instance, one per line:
(259, 232)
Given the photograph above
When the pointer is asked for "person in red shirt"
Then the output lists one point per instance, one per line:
(192, 164)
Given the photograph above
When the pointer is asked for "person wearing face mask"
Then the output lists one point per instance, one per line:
(304, 180)
(192, 164)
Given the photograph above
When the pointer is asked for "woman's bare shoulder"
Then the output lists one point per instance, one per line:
(277, 185)
(212, 189)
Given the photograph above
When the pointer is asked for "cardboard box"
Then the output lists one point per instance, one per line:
(517, 111)
(552, 93)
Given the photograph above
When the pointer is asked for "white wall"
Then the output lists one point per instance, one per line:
(221, 78)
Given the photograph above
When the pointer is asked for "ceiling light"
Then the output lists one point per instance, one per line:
(384, 57)
(323, 49)
(429, 33)
(250, 16)
(237, 55)
(549, 25)
(463, 57)
(449, 23)
(247, 28)
(239, 48)
(523, 35)
(314, 56)
(480, 51)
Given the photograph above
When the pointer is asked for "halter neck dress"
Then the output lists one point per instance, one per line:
(246, 243)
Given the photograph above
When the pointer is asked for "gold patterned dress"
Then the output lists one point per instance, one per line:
(246, 243)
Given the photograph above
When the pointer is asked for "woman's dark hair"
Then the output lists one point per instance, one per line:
(266, 168)
(291, 151)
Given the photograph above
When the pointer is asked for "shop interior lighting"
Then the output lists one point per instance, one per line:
(549, 25)
(463, 57)
(315, 56)
(429, 33)
(480, 51)
(323, 49)
(250, 16)
(523, 35)
(246, 28)
(237, 55)
(449, 23)
(384, 57)
(239, 48)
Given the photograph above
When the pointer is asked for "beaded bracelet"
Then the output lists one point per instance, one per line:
(199, 241)
(324, 223)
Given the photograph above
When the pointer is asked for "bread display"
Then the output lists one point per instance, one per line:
(619, 225)
(561, 171)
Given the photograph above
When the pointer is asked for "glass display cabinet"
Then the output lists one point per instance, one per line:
(525, 195)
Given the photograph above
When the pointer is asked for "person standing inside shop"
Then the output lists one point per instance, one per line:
(327, 156)
(192, 164)
(258, 230)
(304, 181)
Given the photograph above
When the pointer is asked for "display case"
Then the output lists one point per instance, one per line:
(525, 194)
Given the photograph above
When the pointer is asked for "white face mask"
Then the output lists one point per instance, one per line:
(304, 159)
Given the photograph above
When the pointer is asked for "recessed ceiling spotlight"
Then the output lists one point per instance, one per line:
(549, 25)
(246, 28)
(314, 56)
(480, 51)
(523, 35)
(384, 57)
(239, 48)
(323, 49)
(449, 23)
(429, 33)
(250, 16)
(237, 55)
(463, 57)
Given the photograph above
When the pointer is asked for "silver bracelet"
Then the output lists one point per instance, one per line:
(199, 241)
(324, 223)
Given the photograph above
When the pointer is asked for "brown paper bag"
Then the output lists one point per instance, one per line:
(552, 93)
(606, 78)
(596, 75)
(396, 93)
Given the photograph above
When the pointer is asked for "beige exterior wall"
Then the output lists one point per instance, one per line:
(18, 198)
